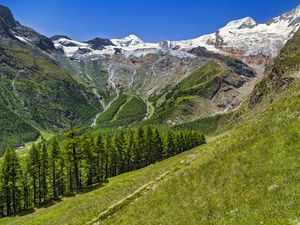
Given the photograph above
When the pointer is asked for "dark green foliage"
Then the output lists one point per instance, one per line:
(80, 161)
(205, 125)
(11, 183)
(36, 92)
(109, 114)
(134, 110)
(14, 131)
(123, 111)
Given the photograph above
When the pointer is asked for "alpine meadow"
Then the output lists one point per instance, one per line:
(204, 130)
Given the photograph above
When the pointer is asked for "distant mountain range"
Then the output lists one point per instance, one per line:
(243, 38)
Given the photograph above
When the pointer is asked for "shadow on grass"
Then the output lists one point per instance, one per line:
(93, 187)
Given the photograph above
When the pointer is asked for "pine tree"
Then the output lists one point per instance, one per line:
(71, 147)
(107, 150)
(26, 188)
(100, 158)
(169, 145)
(158, 147)
(119, 145)
(128, 151)
(139, 148)
(148, 146)
(34, 171)
(54, 154)
(61, 173)
(86, 150)
(44, 172)
(113, 155)
(11, 172)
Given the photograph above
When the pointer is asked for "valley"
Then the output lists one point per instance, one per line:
(125, 131)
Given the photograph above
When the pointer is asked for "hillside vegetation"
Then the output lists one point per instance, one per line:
(188, 99)
(82, 162)
(34, 88)
(14, 130)
(249, 176)
(124, 111)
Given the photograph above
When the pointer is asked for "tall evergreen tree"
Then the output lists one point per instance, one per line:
(34, 170)
(71, 147)
(128, 151)
(169, 145)
(107, 150)
(11, 172)
(139, 148)
(148, 146)
(87, 152)
(158, 147)
(44, 172)
(100, 158)
(119, 145)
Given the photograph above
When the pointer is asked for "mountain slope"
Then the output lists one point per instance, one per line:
(147, 69)
(280, 73)
(34, 88)
(14, 130)
(249, 176)
(218, 86)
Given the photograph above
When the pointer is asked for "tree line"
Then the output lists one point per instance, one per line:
(80, 161)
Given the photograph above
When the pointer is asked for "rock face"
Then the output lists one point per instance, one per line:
(100, 43)
(7, 17)
(13, 32)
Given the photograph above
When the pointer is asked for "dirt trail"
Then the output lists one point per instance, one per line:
(126, 200)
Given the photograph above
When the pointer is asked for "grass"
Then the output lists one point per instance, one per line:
(109, 114)
(126, 110)
(207, 125)
(134, 110)
(249, 176)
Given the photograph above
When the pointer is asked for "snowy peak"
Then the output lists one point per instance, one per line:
(292, 17)
(246, 22)
(243, 38)
(130, 40)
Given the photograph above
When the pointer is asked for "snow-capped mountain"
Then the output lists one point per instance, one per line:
(243, 38)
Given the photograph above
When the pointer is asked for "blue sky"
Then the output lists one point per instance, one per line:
(151, 20)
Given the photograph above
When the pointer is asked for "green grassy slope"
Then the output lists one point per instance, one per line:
(110, 113)
(249, 176)
(125, 110)
(134, 110)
